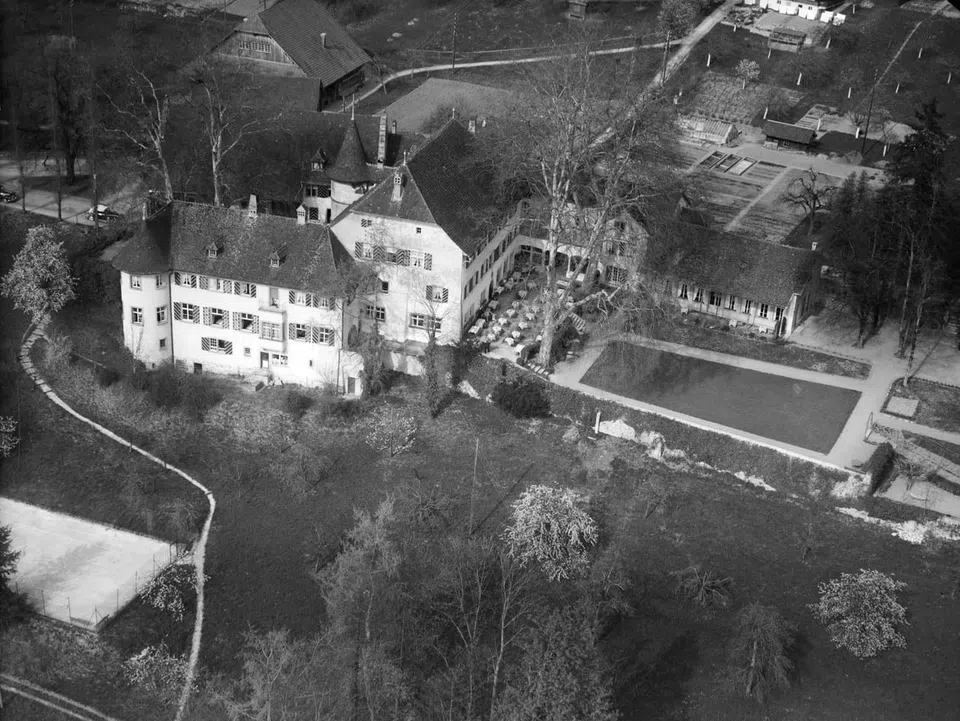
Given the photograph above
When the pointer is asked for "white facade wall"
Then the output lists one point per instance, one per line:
(148, 295)
(407, 284)
(289, 360)
(497, 257)
(745, 311)
(342, 195)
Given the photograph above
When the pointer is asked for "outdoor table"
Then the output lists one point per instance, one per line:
(519, 349)
(522, 325)
(509, 341)
(516, 305)
(473, 330)
(515, 276)
(530, 316)
(511, 313)
(502, 320)
(481, 322)
(493, 304)
(509, 285)
(531, 285)
(522, 294)
(516, 334)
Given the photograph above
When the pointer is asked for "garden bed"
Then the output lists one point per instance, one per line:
(733, 343)
(939, 404)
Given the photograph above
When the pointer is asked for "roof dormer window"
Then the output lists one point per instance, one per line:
(215, 249)
(316, 165)
(277, 257)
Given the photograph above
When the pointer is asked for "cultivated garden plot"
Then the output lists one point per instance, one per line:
(800, 413)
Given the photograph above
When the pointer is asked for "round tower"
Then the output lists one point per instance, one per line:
(349, 174)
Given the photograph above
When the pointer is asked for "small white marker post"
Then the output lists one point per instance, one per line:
(799, 78)
(708, 59)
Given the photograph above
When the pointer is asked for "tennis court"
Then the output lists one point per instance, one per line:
(77, 571)
(801, 413)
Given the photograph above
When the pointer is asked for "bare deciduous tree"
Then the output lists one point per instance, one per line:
(592, 149)
(810, 193)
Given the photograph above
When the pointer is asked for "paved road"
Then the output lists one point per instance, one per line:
(44, 202)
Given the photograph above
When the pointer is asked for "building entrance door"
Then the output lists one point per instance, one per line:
(264, 360)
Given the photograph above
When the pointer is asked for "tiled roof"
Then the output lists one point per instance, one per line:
(441, 186)
(732, 264)
(177, 238)
(296, 26)
(786, 131)
(351, 163)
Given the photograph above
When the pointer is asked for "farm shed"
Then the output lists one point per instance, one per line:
(786, 39)
(711, 131)
(785, 135)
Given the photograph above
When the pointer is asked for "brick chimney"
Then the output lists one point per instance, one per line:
(397, 187)
(394, 127)
(252, 207)
(323, 40)
(382, 142)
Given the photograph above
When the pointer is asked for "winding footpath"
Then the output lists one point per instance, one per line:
(199, 551)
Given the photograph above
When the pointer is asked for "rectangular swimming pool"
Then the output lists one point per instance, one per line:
(801, 413)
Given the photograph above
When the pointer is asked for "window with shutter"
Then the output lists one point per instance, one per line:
(204, 282)
(358, 250)
(206, 316)
(379, 253)
(177, 311)
(403, 257)
(429, 292)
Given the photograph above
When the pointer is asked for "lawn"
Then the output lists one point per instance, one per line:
(939, 405)
(804, 414)
(786, 354)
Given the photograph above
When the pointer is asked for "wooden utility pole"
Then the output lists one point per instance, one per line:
(453, 63)
(866, 128)
(473, 483)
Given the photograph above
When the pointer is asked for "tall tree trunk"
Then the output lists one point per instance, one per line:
(70, 163)
(904, 315)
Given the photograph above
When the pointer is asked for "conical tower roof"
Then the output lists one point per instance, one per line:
(351, 163)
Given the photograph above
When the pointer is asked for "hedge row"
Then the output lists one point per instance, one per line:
(784, 472)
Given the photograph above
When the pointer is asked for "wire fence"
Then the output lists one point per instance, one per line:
(92, 615)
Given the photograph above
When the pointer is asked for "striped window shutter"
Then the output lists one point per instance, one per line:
(236, 287)
(177, 311)
(291, 333)
(428, 261)
(429, 292)
(445, 296)
(403, 257)
(206, 316)
(358, 250)
(312, 300)
(236, 321)
(379, 253)
(293, 297)
(204, 344)
(204, 282)
(314, 334)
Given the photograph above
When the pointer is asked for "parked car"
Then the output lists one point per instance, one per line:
(8, 196)
(104, 213)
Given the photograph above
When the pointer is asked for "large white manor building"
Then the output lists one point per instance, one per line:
(234, 290)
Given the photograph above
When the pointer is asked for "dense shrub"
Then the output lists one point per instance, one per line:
(344, 409)
(861, 612)
(522, 397)
(106, 377)
(170, 387)
(297, 403)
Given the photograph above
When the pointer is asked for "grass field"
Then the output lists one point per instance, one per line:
(804, 414)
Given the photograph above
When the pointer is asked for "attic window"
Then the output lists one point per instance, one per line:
(316, 165)
(277, 257)
(215, 249)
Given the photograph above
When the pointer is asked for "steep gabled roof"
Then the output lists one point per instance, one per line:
(351, 163)
(177, 238)
(732, 264)
(441, 186)
(786, 131)
(296, 26)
